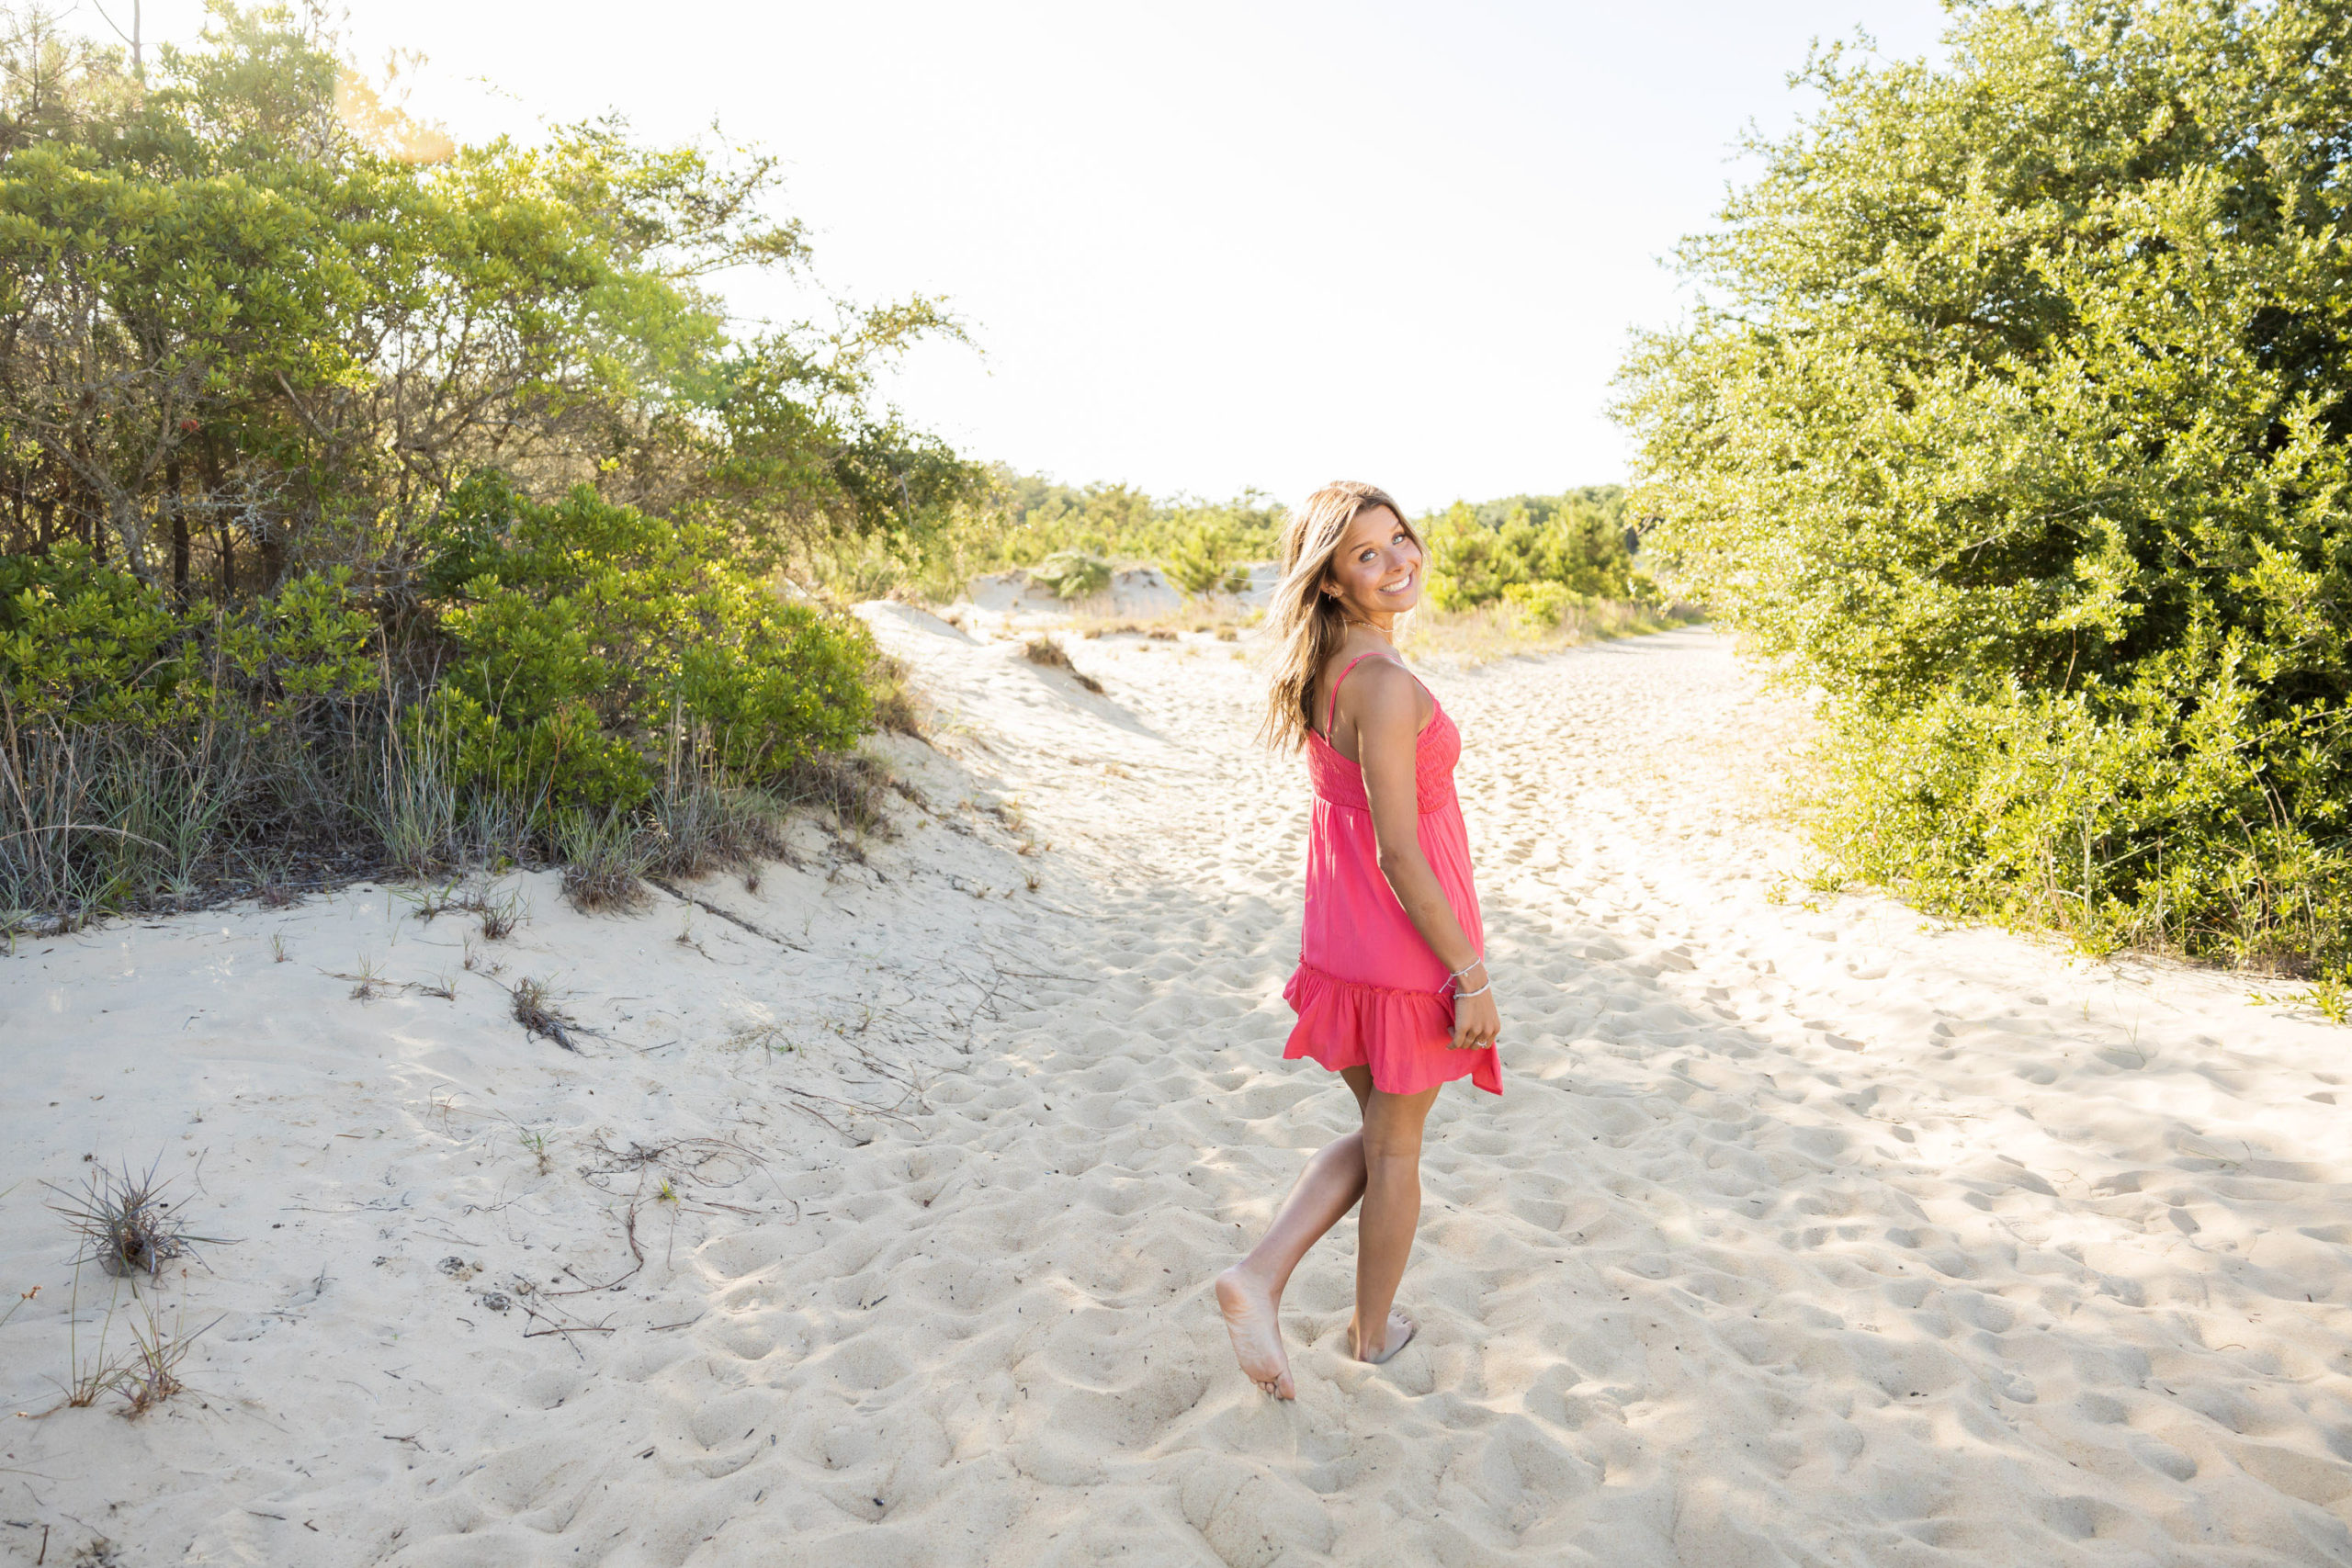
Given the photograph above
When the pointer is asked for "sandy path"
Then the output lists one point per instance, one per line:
(1802, 1236)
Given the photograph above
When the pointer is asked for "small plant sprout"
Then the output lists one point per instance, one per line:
(668, 1194)
(86, 1381)
(277, 947)
(427, 903)
(500, 915)
(538, 1143)
(17, 1305)
(149, 1375)
(370, 978)
(2330, 998)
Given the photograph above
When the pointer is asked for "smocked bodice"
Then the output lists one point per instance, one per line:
(1435, 750)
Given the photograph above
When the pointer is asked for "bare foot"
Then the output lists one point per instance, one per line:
(1253, 1321)
(1400, 1332)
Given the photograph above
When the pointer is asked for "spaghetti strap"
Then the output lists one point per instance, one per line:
(1331, 709)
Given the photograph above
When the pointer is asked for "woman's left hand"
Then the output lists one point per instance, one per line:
(1476, 1021)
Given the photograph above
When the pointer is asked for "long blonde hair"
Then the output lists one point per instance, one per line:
(1304, 624)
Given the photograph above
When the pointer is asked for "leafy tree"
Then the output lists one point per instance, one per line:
(2015, 418)
(1208, 560)
(361, 492)
(255, 311)
(1567, 546)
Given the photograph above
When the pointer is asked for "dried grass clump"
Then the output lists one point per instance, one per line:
(703, 826)
(500, 915)
(124, 1223)
(605, 860)
(145, 1378)
(149, 1374)
(896, 708)
(855, 788)
(535, 1011)
(1044, 651)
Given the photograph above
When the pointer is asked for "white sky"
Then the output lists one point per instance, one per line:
(1208, 245)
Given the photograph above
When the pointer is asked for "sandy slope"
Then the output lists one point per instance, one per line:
(1802, 1236)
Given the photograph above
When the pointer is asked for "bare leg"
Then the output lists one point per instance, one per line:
(1392, 1211)
(1250, 1292)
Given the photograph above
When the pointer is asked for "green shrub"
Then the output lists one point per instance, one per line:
(2018, 418)
(566, 665)
(1575, 542)
(2155, 816)
(139, 743)
(1544, 603)
(1073, 574)
(595, 652)
(88, 644)
(1208, 560)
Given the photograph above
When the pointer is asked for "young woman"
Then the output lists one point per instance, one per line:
(1391, 990)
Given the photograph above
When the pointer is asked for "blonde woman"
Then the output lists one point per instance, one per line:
(1391, 989)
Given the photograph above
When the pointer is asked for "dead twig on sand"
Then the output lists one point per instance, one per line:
(552, 1327)
(367, 986)
(628, 1230)
(732, 919)
(544, 1327)
(710, 1162)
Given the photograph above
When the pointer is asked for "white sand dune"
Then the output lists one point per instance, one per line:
(1802, 1236)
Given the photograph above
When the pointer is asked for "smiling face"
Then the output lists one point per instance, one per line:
(1376, 571)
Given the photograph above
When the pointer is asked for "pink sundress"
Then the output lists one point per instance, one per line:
(1368, 990)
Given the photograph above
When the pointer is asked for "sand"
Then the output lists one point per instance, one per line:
(1806, 1234)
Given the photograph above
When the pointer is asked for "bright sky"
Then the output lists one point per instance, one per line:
(1209, 245)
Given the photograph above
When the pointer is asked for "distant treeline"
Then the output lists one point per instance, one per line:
(1539, 550)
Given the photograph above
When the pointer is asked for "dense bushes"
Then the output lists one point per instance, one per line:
(559, 667)
(2018, 420)
(256, 332)
(144, 748)
(593, 651)
(82, 643)
(1545, 553)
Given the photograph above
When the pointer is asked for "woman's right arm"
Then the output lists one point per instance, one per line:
(1383, 702)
